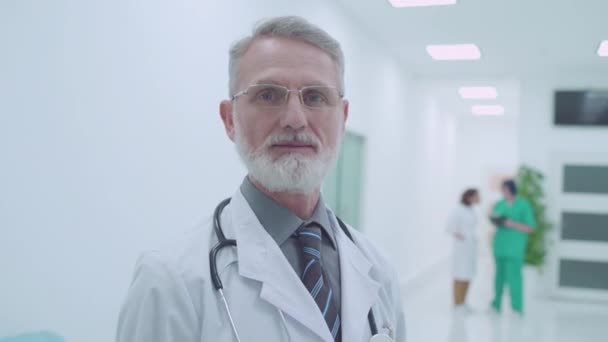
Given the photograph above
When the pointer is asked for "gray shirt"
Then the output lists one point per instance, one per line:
(281, 224)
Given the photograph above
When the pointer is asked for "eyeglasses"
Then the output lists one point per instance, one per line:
(274, 96)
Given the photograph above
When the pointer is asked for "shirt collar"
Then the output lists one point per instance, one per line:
(280, 222)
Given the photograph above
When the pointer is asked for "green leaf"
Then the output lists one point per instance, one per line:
(530, 184)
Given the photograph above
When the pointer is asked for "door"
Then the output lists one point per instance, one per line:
(578, 258)
(342, 189)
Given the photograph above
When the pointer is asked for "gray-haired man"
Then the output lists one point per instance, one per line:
(289, 269)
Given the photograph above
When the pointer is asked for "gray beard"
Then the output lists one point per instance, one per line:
(293, 173)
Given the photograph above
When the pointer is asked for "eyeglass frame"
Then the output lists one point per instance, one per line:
(288, 91)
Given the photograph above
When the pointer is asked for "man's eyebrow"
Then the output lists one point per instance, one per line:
(268, 81)
(275, 82)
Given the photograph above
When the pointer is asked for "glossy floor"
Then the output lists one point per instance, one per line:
(430, 317)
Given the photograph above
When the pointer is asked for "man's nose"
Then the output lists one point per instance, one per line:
(294, 114)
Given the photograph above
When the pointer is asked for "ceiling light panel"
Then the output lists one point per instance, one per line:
(454, 52)
(421, 3)
(602, 50)
(478, 93)
(488, 110)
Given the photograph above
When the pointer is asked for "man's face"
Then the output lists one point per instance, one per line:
(292, 146)
(506, 193)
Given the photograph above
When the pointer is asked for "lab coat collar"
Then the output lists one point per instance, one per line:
(359, 290)
(261, 259)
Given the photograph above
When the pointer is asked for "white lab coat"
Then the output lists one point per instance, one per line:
(464, 252)
(172, 298)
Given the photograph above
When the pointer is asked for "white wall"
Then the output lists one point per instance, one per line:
(110, 143)
(432, 162)
(387, 128)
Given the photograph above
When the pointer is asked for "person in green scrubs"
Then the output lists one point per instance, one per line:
(514, 218)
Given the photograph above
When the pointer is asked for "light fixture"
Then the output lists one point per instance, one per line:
(478, 93)
(602, 50)
(420, 3)
(488, 110)
(454, 52)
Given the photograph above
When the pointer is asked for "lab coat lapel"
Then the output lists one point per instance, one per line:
(359, 290)
(261, 259)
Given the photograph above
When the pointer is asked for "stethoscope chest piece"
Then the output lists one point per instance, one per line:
(381, 338)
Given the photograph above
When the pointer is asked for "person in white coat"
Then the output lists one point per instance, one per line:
(290, 270)
(461, 225)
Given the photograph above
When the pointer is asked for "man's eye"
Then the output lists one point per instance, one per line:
(268, 95)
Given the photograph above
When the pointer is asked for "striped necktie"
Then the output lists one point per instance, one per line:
(309, 239)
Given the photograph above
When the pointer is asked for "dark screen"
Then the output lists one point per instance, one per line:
(587, 108)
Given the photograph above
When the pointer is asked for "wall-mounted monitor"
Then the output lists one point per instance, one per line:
(581, 107)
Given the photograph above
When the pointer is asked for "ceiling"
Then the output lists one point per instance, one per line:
(515, 36)
(447, 99)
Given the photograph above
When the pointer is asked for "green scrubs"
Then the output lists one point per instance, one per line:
(510, 250)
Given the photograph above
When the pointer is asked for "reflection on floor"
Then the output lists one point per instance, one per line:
(430, 318)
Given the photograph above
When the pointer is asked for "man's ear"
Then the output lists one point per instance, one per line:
(227, 115)
(345, 114)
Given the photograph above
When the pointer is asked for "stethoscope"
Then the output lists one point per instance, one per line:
(217, 281)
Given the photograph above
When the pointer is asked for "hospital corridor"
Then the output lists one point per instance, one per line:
(320, 170)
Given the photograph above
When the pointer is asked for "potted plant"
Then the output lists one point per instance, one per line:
(529, 184)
